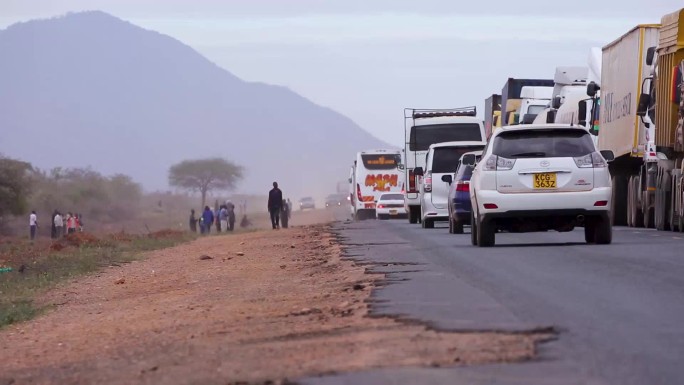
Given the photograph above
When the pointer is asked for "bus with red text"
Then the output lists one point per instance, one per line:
(374, 172)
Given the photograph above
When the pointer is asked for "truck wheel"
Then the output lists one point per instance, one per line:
(636, 212)
(473, 229)
(648, 209)
(619, 200)
(672, 212)
(603, 232)
(413, 215)
(486, 234)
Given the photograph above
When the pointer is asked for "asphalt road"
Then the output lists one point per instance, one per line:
(618, 309)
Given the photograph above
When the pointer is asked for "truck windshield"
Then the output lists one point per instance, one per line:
(445, 159)
(380, 161)
(535, 110)
(555, 143)
(423, 136)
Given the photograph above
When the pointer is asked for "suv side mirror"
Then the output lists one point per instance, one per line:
(650, 55)
(592, 89)
(644, 101)
(556, 103)
(469, 159)
(447, 179)
(418, 171)
(529, 118)
(608, 155)
(582, 113)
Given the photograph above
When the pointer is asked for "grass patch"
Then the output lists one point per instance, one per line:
(39, 267)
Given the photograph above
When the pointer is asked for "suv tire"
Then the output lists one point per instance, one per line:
(603, 232)
(486, 234)
(473, 229)
(458, 228)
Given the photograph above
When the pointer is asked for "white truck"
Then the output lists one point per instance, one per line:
(622, 131)
(423, 128)
(535, 99)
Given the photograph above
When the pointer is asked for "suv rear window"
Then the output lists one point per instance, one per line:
(553, 143)
(445, 159)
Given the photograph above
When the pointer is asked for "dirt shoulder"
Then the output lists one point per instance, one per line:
(267, 306)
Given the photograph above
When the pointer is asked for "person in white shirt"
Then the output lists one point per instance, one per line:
(59, 225)
(33, 224)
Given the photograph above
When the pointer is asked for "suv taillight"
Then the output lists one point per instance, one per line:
(427, 183)
(593, 160)
(463, 186)
(495, 162)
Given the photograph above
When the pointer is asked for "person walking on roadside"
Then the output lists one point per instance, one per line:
(71, 223)
(275, 202)
(207, 219)
(53, 228)
(193, 221)
(58, 223)
(223, 218)
(230, 208)
(284, 214)
(33, 225)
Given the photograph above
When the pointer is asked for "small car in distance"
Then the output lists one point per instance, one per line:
(335, 200)
(539, 178)
(459, 193)
(390, 205)
(307, 203)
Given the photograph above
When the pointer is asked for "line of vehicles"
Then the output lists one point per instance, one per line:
(595, 146)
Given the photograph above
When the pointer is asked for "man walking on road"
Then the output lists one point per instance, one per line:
(58, 223)
(275, 202)
(33, 224)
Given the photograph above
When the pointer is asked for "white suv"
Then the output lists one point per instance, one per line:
(442, 161)
(539, 178)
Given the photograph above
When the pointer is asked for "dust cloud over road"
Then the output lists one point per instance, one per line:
(253, 307)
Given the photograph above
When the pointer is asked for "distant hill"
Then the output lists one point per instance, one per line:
(88, 89)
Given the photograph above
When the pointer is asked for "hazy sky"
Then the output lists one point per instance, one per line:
(369, 59)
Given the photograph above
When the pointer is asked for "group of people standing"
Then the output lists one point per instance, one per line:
(65, 224)
(223, 218)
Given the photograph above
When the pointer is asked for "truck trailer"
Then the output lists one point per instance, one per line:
(511, 94)
(492, 118)
(622, 131)
(656, 194)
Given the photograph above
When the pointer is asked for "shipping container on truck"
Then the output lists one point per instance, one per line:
(661, 105)
(510, 96)
(492, 119)
(621, 130)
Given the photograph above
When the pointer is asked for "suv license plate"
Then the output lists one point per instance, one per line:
(545, 180)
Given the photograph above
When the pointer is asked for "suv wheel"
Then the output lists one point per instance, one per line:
(589, 232)
(428, 224)
(458, 228)
(451, 225)
(603, 232)
(486, 234)
(473, 229)
(413, 215)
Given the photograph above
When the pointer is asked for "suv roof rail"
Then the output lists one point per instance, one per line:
(418, 113)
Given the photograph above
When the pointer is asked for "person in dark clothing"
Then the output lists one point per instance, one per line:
(207, 219)
(193, 221)
(230, 207)
(284, 214)
(275, 203)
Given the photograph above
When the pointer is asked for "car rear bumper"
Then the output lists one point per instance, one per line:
(430, 211)
(518, 204)
(391, 211)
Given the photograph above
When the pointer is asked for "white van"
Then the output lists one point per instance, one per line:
(442, 160)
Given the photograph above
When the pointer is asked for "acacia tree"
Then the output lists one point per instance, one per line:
(205, 175)
(15, 183)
